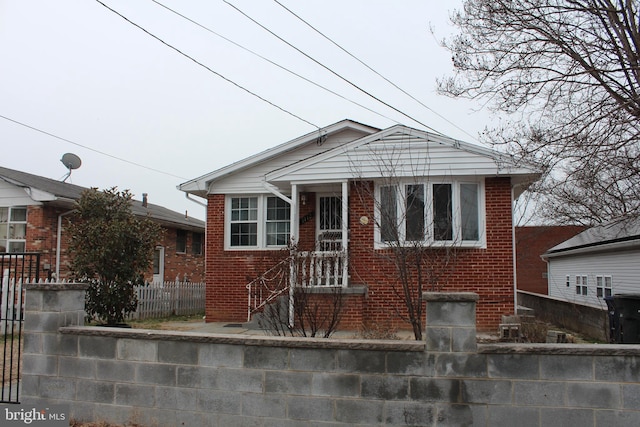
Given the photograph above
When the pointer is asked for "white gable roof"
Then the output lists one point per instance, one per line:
(398, 151)
(201, 186)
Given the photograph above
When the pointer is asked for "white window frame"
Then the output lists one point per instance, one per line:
(456, 240)
(604, 283)
(261, 240)
(11, 222)
(582, 285)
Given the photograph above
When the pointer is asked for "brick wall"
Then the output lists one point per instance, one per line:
(531, 243)
(488, 272)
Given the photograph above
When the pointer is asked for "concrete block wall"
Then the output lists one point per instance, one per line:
(167, 378)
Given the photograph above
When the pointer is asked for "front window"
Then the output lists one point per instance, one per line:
(278, 222)
(244, 221)
(13, 229)
(258, 222)
(430, 212)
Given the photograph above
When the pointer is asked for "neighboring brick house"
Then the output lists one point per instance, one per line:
(34, 211)
(330, 191)
(531, 243)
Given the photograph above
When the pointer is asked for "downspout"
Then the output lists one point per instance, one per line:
(195, 201)
(58, 238)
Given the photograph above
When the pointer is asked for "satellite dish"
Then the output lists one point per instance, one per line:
(71, 162)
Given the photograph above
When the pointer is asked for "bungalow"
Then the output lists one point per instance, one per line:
(597, 263)
(34, 210)
(343, 198)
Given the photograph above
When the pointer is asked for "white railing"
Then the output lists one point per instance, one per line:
(321, 269)
(269, 286)
(168, 299)
(306, 269)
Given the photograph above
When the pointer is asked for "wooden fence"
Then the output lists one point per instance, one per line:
(168, 299)
(154, 300)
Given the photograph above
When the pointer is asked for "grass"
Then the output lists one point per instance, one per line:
(162, 322)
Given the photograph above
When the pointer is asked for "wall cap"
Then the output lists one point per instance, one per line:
(56, 286)
(250, 340)
(562, 349)
(450, 296)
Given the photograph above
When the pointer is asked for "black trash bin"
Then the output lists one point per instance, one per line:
(627, 307)
(614, 324)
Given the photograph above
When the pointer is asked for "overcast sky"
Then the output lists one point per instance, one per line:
(76, 70)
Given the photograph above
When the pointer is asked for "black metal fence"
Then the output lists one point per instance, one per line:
(16, 269)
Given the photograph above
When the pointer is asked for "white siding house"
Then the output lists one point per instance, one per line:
(599, 262)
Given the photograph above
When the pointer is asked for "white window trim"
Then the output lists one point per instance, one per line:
(261, 221)
(457, 229)
(10, 222)
(603, 281)
(582, 282)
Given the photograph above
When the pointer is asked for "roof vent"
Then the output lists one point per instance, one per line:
(144, 200)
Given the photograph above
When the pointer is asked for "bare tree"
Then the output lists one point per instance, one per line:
(316, 310)
(411, 247)
(567, 74)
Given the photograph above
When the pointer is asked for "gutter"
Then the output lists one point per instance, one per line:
(628, 244)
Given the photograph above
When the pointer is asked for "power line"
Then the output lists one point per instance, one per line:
(272, 62)
(208, 68)
(89, 148)
(373, 70)
(329, 69)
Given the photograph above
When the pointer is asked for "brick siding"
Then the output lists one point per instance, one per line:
(42, 236)
(488, 272)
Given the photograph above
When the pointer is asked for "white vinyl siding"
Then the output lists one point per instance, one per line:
(250, 180)
(397, 155)
(622, 267)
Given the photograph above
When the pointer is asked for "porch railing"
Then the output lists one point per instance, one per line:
(321, 269)
(305, 269)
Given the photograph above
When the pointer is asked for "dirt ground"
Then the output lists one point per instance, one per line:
(10, 370)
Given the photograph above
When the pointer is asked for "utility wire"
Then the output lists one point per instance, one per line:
(373, 70)
(207, 68)
(246, 49)
(89, 148)
(328, 69)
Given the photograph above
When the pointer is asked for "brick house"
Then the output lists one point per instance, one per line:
(531, 243)
(343, 195)
(35, 209)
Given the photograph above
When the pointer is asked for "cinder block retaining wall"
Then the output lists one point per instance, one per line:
(589, 321)
(172, 379)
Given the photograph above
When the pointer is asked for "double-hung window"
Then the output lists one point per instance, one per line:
(603, 286)
(13, 229)
(582, 285)
(429, 212)
(257, 222)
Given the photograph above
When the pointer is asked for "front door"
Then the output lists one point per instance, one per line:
(329, 224)
(158, 265)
